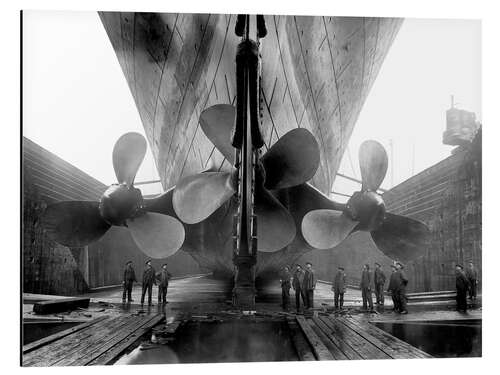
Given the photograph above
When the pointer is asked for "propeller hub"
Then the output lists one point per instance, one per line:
(119, 203)
(368, 208)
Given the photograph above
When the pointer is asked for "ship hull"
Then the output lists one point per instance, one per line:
(316, 74)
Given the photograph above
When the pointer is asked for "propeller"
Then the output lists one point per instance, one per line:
(324, 229)
(79, 223)
(197, 197)
(217, 123)
(399, 237)
(128, 154)
(74, 230)
(373, 165)
(291, 161)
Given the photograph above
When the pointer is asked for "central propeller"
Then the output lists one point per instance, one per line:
(79, 223)
(291, 161)
(398, 237)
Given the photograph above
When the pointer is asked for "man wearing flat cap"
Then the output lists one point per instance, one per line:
(338, 287)
(472, 276)
(309, 286)
(297, 285)
(392, 288)
(128, 281)
(401, 283)
(366, 287)
(379, 280)
(163, 276)
(148, 280)
(462, 285)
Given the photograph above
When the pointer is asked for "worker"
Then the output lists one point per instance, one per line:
(285, 281)
(148, 280)
(163, 276)
(379, 281)
(338, 287)
(309, 286)
(392, 288)
(128, 281)
(462, 284)
(401, 283)
(366, 287)
(471, 274)
(297, 284)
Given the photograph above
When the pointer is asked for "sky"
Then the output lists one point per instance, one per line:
(77, 102)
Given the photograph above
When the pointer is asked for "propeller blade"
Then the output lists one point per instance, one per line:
(275, 226)
(325, 229)
(128, 154)
(301, 199)
(402, 238)
(157, 235)
(373, 164)
(292, 160)
(161, 204)
(74, 223)
(217, 123)
(196, 197)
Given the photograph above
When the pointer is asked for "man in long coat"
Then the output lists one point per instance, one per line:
(297, 284)
(128, 281)
(401, 283)
(285, 287)
(309, 286)
(366, 287)
(379, 280)
(148, 280)
(472, 276)
(462, 285)
(393, 288)
(163, 277)
(338, 287)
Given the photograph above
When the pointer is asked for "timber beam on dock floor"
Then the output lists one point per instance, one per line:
(329, 337)
(98, 342)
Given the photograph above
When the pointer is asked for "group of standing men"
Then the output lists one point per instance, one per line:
(149, 278)
(397, 287)
(303, 283)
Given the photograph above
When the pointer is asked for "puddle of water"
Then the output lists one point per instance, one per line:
(228, 341)
(442, 339)
(33, 331)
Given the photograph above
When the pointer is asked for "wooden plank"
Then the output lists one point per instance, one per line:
(94, 338)
(301, 345)
(364, 348)
(56, 336)
(60, 305)
(116, 340)
(320, 350)
(111, 355)
(348, 351)
(103, 343)
(332, 348)
(46, 355)
(33, 357)
(389, 343)
(390, 351)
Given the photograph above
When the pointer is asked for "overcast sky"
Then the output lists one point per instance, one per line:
(77, 103)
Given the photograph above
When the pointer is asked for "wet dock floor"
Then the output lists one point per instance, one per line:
(222, 335)
(229, 341)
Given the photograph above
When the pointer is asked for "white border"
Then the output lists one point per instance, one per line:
(9, 115)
